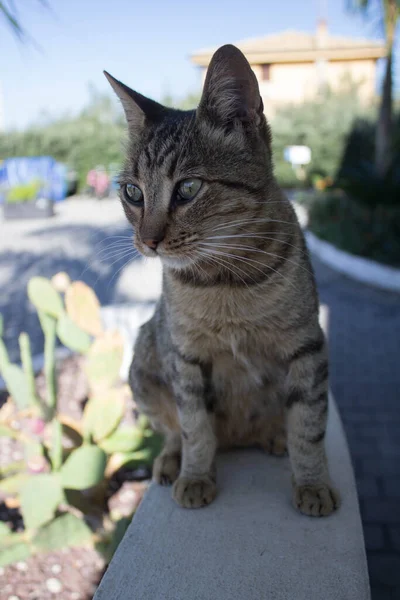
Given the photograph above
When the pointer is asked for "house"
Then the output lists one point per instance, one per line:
(291, 66)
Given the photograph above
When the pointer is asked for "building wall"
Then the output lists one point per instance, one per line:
(297, 82)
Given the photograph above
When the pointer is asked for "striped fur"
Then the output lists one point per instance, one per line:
(234, 354)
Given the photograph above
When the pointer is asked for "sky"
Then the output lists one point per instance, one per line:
(144, 43)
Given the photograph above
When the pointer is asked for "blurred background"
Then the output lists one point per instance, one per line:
(330, 81)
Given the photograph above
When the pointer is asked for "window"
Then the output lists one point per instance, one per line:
(265, 72)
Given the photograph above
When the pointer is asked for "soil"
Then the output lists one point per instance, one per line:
(72, 573)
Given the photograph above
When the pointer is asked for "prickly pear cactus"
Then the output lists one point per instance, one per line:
(44, 297)
(104, 360)
(83, 307)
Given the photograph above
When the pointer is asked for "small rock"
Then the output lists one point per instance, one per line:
(1, 571)
(54, 585)
(22, 566)
(56, 569)
(75, 596)
(13, 598)
(79, 563)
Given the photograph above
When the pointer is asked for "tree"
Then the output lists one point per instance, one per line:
(9, 12)
(389, 13)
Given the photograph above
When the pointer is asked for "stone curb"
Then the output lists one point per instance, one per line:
(362, 269)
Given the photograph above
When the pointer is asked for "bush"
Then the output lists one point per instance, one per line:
(364, 230)
(24, 192)
(323, 124)
(62, 484)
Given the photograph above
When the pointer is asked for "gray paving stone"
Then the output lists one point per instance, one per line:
(381, 592)
(394, 534)
(367, 487)
(380, 510)
(384, 569)
(374, 537)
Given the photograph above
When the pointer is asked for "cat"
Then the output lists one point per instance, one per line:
(234, 354)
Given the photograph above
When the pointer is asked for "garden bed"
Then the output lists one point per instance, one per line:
(38, 209)
(371, 233)
(70, 573)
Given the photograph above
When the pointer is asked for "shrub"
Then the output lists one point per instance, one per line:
(68, 464)
(361, 229)
(24, 192)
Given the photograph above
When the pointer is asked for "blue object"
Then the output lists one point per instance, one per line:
(23, 170)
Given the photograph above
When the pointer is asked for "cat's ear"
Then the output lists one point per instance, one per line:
(139, 110)
(231, 89)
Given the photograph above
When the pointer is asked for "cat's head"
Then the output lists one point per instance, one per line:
(191, 175)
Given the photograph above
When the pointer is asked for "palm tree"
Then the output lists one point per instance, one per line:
(9, 12)
(389, 15)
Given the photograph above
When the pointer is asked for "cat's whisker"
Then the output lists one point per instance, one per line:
(102, 257)
(252, 261)
(249, 221)
(251, 249)
(226, 265)
(256, 236)
(126, 263)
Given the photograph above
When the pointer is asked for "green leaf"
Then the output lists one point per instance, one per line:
(67, 530)
(4, 529)
(102, 414)
(125, 439)
(33, 449)
(12, 485)
(56, 448)
(8, 432)
(109, 549)
(16, 385)
(84, 468)
(40, 497)
(4, 360)
(44, 297)
(73, 336)
(14, 553)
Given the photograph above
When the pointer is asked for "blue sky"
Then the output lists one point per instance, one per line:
(144, 43)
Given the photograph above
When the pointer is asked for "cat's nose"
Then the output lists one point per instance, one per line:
(153, 242)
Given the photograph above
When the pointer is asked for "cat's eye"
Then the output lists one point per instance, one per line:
(188, 189)
(133, 194)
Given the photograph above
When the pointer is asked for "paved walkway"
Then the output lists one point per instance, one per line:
(85, 238)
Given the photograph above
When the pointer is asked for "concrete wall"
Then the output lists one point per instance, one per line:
(249, 544)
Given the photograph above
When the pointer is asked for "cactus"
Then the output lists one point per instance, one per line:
(72, 336)
(83, 308)
(61, 281)
(44, 297)
(125, 439)
(26, 359)
(66, 530)
(104, 360)
(40, 496)
(84, 468)
(56, 449)
(49, 325)
(16, 385)
(102, 415)
(14, 553)
(13, 483)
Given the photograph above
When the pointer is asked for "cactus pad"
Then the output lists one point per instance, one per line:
(83, 307)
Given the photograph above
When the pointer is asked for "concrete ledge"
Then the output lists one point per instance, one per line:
(361, 269)
(250, 544)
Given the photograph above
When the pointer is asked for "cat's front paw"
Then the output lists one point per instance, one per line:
(194, 493)
(319, 500)
(166, 468)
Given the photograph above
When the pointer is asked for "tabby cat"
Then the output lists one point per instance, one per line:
(234, 354)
